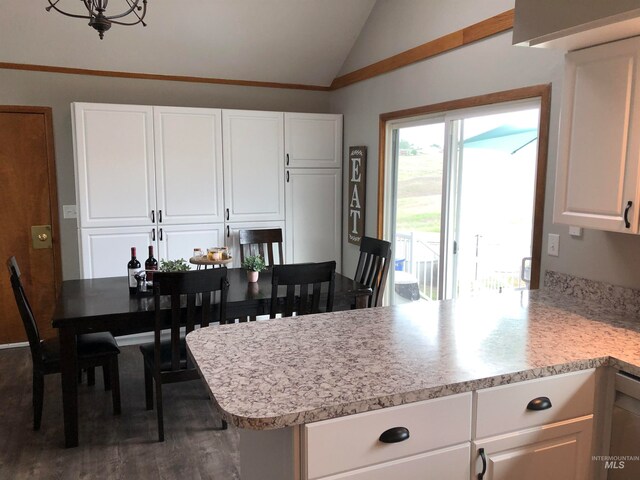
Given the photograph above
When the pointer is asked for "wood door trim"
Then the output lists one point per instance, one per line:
(537, 91)
(157, 76)
(47, 116)
(473, 33)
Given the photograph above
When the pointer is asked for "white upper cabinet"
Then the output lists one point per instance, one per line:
(313, 140)
(599, 144)
(114, 164)
(253, 151)
(188, 150)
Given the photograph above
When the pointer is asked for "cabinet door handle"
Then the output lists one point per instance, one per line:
(627, 224)
(160, 234)
(287, 176)
(394, 435)
(227, 214)
(153, 234)
(160, 216)
(540, 403)
(227, 231)
(484, 463)
(287, 159)
(153, 216)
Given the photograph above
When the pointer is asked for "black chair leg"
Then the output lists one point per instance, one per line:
(115, 384)
(91, 376)
(148, 387)
(38, 399)
(159, 410)
(106, 376)
(224, 425)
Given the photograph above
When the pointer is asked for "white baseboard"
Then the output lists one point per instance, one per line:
(14, 345)
(135, 339)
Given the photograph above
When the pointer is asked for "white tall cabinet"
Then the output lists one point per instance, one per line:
(313, 145)
(179, 178)
(599, 145)
(146, 176)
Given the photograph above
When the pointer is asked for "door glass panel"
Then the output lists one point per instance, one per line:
(463, 203)
(495, 202)
(418, 212)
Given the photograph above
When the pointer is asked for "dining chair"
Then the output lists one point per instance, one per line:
(254, 242)
(166, 361)
(373, 267)
(304, 283)
(94, 350)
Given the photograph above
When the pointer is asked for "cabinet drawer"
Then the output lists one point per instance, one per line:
(450, 463)
(348, 443)
(504, 409)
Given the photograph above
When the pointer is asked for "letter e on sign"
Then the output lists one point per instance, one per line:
(357, 193)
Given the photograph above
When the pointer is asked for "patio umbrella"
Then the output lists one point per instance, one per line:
(505, 138)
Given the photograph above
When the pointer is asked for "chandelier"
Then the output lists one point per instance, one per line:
(98, 18)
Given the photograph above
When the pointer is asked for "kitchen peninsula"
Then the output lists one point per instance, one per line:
(288, 373)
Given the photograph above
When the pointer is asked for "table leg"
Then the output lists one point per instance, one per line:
(361, 301)
(68, 374)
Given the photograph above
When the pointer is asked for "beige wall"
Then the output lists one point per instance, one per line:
(488, 66)
(58, 91)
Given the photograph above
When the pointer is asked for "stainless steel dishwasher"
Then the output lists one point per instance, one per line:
(624, 451)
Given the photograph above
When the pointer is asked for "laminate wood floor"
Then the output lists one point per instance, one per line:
(111, 447)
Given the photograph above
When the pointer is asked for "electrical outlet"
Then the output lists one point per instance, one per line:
(553, 247)
(69, 211)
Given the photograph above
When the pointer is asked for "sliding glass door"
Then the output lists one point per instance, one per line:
(461, 208)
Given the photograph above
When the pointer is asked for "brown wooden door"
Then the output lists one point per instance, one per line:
(27, 198)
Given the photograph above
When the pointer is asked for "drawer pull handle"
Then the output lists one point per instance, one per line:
(540, 403)
(484, 463)
(394, 435)
(627, 224)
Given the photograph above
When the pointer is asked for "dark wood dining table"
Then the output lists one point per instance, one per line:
(104, 304)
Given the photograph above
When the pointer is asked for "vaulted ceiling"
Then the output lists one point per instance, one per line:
(285, 41)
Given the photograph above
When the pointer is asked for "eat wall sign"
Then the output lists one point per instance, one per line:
(357, 191)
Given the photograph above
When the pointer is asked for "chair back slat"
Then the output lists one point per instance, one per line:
(373, 267)
(26, 313)
(261, 241)
(197, 289)
(299, 278)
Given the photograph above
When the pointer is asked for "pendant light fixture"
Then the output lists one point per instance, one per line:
(97, 15)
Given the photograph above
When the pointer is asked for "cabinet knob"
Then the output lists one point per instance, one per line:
(394, 435)
(540, 403)
(153, 216)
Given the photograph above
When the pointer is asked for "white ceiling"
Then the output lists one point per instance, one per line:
(287, 41)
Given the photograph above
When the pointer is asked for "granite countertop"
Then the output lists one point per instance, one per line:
(284, 372)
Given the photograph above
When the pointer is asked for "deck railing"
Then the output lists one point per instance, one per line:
(419, 255)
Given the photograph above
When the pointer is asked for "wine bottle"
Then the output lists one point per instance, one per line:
(150, 264)
(133, 267)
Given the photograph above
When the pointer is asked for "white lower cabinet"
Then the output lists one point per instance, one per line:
(178, 241)
(536, 429)
(353, 446)
(232, 240)
(445, 464)
(106, 251)
(559, 451)
(313, 208)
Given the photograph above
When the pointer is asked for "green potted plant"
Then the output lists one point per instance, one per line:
(254, 264)
(179, 265)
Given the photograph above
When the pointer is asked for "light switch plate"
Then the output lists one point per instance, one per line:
(553, 247)
(69, 211)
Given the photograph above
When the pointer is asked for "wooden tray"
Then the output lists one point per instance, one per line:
(205, 261)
